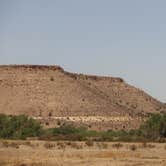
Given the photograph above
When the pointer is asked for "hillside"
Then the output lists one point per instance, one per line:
(50, 94)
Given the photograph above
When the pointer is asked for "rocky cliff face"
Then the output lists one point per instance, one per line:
(48, 92)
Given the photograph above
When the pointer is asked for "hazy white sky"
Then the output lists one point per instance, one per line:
(124, 38)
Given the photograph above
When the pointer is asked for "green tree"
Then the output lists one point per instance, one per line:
(155, 126)
(18, 127)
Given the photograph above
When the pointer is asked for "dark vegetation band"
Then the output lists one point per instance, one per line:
(22, 126)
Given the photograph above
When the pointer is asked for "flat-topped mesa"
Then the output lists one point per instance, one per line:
(33, 67)
(94, 77)
(59, 68)
(50, 91)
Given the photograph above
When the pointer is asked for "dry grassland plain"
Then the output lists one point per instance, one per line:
(64, 153)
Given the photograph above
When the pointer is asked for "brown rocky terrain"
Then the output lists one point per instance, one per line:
(50, 94)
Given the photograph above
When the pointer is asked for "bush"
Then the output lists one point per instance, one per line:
(133, 147)
(102, 145)
(18, 127)
(7, 144)
(154, 127)
(69, 132)
(51, 78)
(21, 127)
(89, 143)
(76, 145)
(144, 145)
(65, 130)
(49, 145)
(117, 145)
(61, 145)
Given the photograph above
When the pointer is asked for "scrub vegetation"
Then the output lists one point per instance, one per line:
(21, 127)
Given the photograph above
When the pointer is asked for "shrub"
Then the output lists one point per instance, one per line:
(58, 122)
(26, 143)
(144, 145)
(70, 132)
(151, 146)
(65, 130)
(102, 145)
(89, 143)
(76, 145)
(49, 145)
(155, 127)
(61, 145)
(51, 78)
(117, 145)
(7, 144)
(18, 127)
(14, 145)
(21, 127)
(133, 147)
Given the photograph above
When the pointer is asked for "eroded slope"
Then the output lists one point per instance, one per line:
(46, 92)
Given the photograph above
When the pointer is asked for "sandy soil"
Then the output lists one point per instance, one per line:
(41, 153)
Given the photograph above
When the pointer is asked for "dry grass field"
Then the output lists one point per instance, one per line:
(42, 153)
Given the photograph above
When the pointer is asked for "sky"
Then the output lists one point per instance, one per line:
(120, 38)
